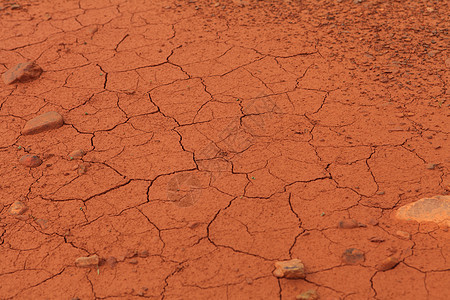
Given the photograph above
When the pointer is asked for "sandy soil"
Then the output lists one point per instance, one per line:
(218, 138)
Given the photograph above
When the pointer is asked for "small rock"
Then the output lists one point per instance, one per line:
(435, 209)
(42, 223)
(432, 53)
(388, 263)
(143, 253)
(431, 166)
(17, 208)
(82, 169)
(353, 256)
(447, 62)
(291, 269)
(76, 154)
(93, 29)
(30, 161)
(90, 261)
(22, 72)
(381, 193)
(375, 239)
(373, 222)
(131, 253)
(348, 224)
(133, 261)
(403, 235)
(308, 295)
(111, 261)
(47, 121)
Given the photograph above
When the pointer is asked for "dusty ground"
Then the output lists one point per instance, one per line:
(222, 137)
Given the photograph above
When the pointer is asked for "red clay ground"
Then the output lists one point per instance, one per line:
(220, 138)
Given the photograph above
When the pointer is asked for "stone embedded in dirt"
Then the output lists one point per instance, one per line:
(133, 261)
(93, 29)
(431, 166)
(290, 269)
(435, 209)
(308, 295)
(76, 154)
(42, 223)
(22, 72)
(348, 224)
(403, 234)
(131, 253)
(89, 261)
(17, 208)
(111, 261)
(389, 263)
(376, 239)
(143, 253)
(30, 161)
(353, 256)
(447, 62)
(82, 169)
(373, 222)
(47, 121)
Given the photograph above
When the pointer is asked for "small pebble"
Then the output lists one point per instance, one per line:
(291, 269)
(111, 261)
(403, 235)
(373, 222)
(388, 263)
(30, 161)
(93, 29)
(22, 72)
(381, 193)
(353, 256)
(90, 261)
(131, 253)
(76, 154)
(143, 253)
(348, 224)
(47, 121)
(133, 261)
(431, 166)
(375, 239)
(308, 295)
(17, 208)
(82, 169)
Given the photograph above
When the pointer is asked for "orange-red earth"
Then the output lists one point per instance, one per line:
(182, 149)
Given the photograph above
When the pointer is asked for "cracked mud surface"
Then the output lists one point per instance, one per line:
(221, 137)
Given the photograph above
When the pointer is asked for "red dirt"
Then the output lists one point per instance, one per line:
(215, 138)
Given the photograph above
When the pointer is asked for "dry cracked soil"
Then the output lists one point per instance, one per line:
(184, 149)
